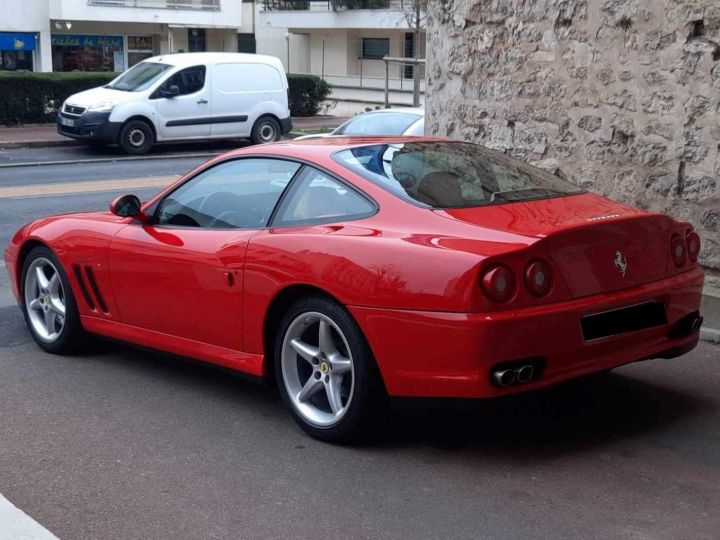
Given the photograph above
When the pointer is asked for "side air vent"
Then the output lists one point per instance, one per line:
(83, 287)
(96, 291)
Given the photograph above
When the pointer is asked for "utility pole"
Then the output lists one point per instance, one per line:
(416, 46)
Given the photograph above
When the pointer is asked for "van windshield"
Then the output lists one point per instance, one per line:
(140, 77)
(449, 174)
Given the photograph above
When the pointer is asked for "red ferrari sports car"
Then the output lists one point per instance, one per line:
(349, 270)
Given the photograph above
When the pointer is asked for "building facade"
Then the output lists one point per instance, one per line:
(342, 42)
(112, 35)
(619, 96)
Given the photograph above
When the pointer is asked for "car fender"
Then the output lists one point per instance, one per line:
(124, 111)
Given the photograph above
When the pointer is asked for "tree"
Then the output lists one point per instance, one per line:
(415, 12)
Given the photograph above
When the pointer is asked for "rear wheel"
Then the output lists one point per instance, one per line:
(325, 371)
(136, 137)
(265, 130)
(48, 303)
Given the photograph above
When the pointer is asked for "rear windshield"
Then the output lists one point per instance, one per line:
(452, 174)
(140, 77)
(378, 124)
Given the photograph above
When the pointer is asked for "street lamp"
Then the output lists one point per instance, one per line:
(287, 41)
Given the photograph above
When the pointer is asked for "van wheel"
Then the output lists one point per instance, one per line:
(265, 130)
(136, 137)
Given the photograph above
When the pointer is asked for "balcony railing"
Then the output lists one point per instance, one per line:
(200, 5)
(333, 5)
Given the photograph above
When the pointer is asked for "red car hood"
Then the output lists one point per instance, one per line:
(597, 245)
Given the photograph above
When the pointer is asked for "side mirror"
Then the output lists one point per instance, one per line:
(127, 206)
(172, 91)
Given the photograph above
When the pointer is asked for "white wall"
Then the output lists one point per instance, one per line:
(335, 52)
(248, 18)
(352, 18)
(29, 16)
(229, 16)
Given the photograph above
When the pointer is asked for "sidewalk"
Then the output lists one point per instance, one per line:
(45, 135)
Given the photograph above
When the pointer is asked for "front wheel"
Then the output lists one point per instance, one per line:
(265, 130)
(325, 371)
(136, 137)
(48, 303)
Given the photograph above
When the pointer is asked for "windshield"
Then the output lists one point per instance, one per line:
(452, 174)
(140, 77)
(377, 124)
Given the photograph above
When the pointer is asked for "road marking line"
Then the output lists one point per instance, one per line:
(66, 188)
(15, 524)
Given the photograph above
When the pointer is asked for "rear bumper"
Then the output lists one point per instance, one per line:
(91, 126)
(286, 125)
(435, 354)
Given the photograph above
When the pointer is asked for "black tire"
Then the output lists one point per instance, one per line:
(368, 397)
(265, 130)
(71, 336)
(136, 137)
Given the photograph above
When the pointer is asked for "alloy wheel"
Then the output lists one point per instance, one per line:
(317, 369)
(45, 300)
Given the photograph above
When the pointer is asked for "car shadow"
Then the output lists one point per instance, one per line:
(567, 418)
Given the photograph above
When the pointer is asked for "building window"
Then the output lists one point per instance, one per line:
(409, 53)
(72, 52)
(375, 48)
(139, 49)
(196, 40)
(246, 43)
(17, 51)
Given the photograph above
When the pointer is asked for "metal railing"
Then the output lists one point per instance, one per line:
(333, 5)
(199, 5)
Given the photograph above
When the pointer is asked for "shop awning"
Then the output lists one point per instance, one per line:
(17, 41)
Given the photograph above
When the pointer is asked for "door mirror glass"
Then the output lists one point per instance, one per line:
(126, 206)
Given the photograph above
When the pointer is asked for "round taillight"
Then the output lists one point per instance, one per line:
(498, 283)
(678, 250)
(693, 245)
(537, 278)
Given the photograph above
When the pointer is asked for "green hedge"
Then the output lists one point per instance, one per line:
(36, 97)
(307, 92)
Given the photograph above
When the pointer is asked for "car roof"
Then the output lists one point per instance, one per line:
(323, 147)
(419, 111)
(190, 59)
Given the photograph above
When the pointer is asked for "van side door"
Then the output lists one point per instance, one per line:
(242, 92)
(183, 104)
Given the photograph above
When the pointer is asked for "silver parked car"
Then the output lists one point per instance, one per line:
(401, 121)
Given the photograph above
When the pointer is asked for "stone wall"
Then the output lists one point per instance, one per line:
(619, 96)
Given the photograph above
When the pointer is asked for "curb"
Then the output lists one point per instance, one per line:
(11, 145)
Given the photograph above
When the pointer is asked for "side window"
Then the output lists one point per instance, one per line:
(239, 194)
(318, 198)
(189, 80)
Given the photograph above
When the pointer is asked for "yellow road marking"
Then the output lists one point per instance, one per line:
(66, 188)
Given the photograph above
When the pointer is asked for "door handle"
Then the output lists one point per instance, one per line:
(203, 101)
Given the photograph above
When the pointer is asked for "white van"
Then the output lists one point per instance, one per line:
(183, 97)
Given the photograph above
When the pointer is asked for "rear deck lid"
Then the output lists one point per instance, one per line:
(596, 244)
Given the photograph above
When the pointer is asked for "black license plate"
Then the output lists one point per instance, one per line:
(623, 320)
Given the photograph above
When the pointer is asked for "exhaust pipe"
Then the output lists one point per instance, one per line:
(525, 373)
(504, 377)
(696, 324)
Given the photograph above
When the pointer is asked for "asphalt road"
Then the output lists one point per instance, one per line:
(83, 152)
(125, 444)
